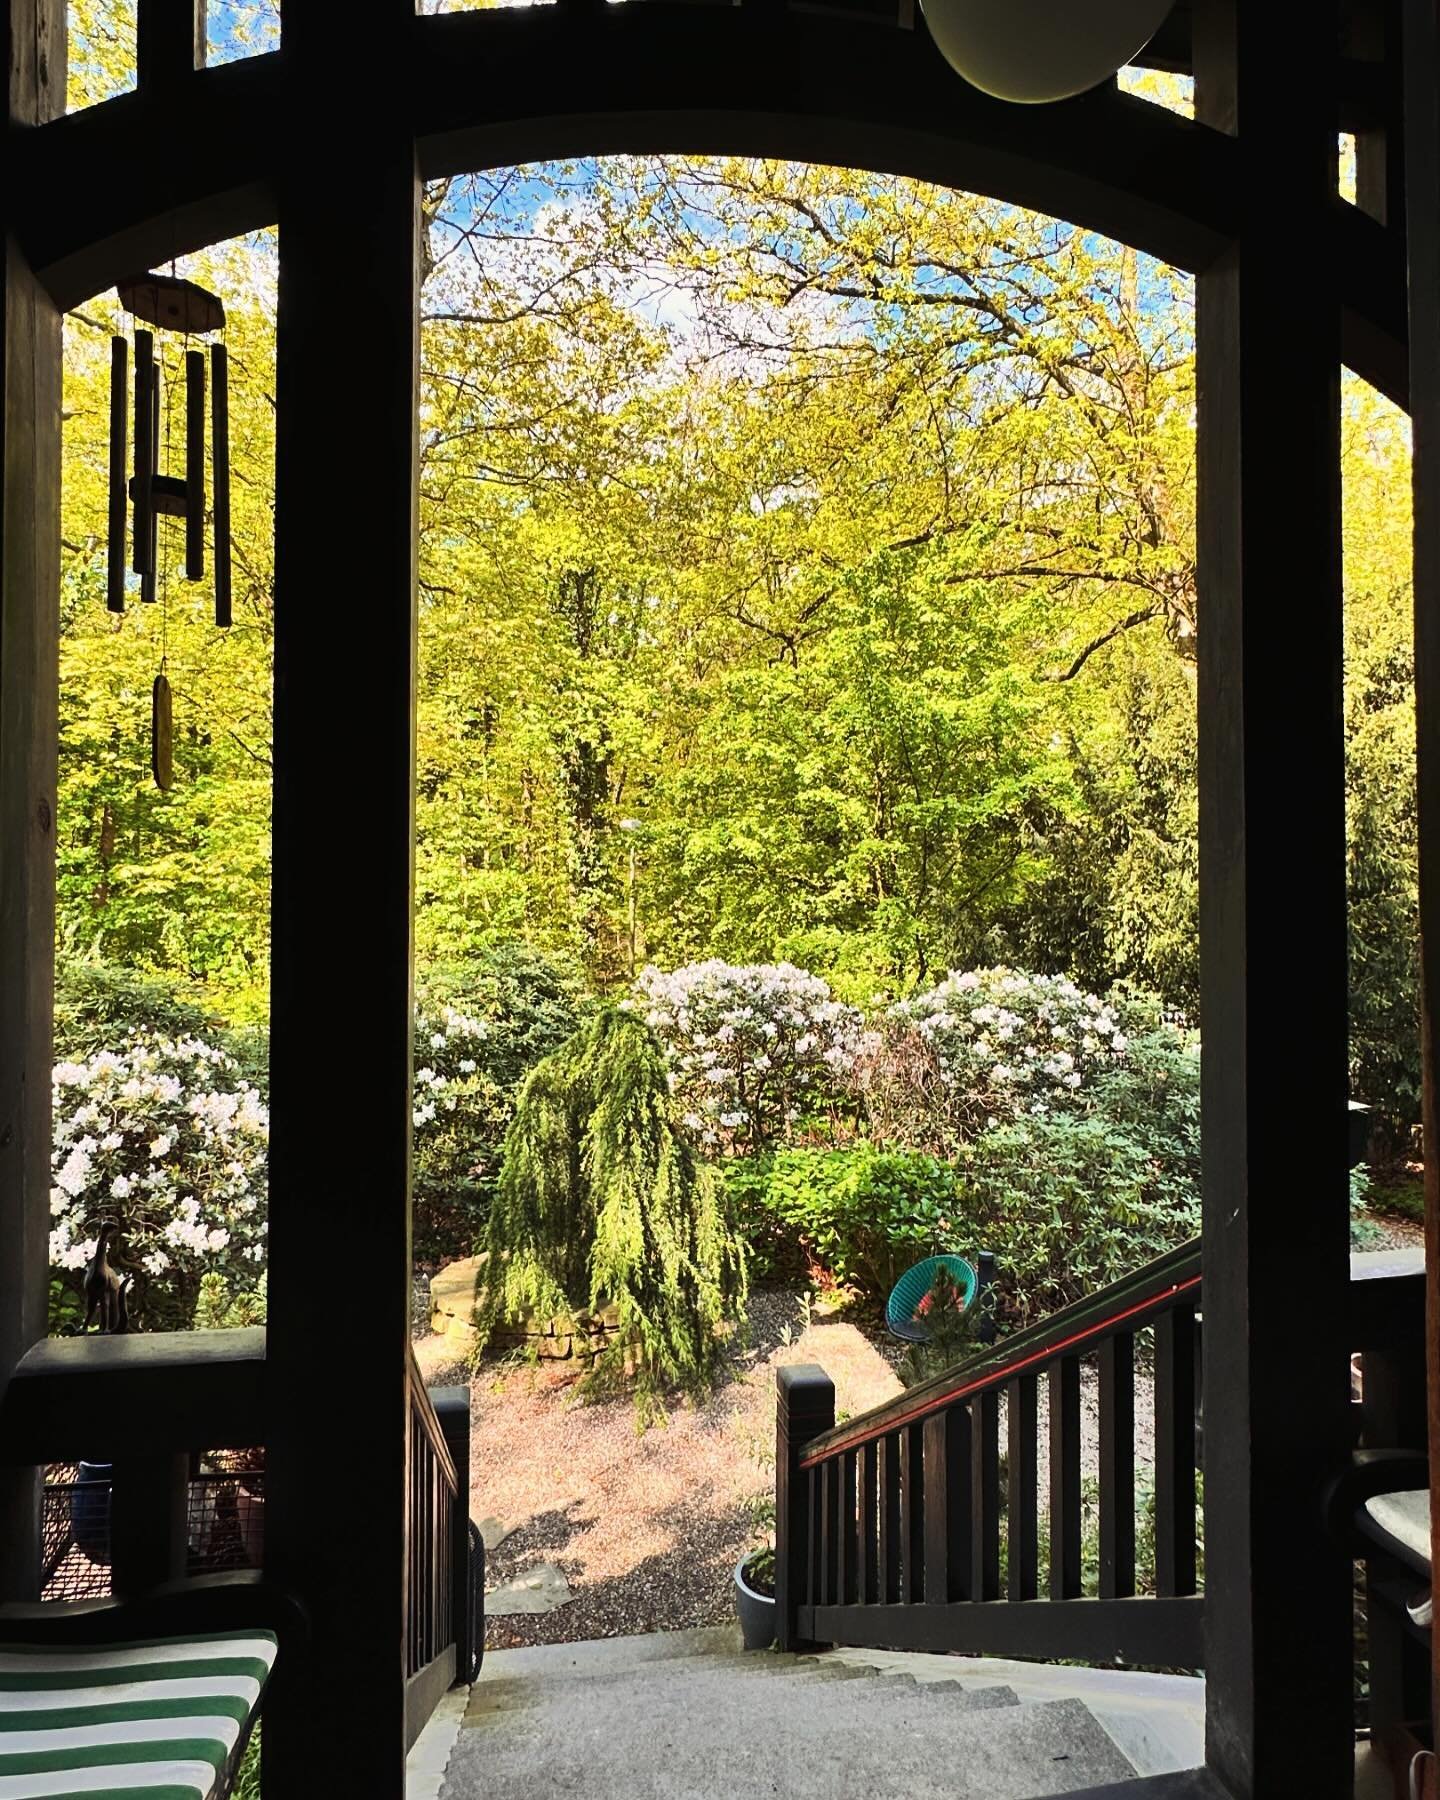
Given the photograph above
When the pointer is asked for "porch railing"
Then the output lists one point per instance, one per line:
(440, 1648)
(892, 1528)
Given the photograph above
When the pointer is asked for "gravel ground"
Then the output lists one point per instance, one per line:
(647, 1526)
(1400, 1234)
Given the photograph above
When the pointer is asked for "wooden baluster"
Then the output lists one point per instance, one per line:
(825, 1595)
(1175, 1452)
(812, 1537)
(867, 1542)
(985, 1496)
(888, 1583)
(946, 1438)
(912, 1513)
(1023, 1503)
(1117, 1466)
(845, 1530)
(1065, 1478)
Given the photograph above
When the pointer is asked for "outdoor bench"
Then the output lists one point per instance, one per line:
(150, 1698)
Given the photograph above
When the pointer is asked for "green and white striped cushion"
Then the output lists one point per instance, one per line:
(155, 1720)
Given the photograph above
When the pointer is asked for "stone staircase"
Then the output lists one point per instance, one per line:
(686, 1716)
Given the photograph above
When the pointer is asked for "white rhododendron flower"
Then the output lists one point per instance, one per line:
(164, 1137)
(752, 1046)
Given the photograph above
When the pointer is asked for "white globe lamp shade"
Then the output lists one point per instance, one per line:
(1039, 50)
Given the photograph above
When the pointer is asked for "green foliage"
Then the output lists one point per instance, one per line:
(247, 1777)
(602, 1201)
(1382, 891)
(760, 1569)
(1071, 1200)
(861, 1215)
(479, 1028)
(1401, 1195)
(97, 1004)
(221, 1307)
(66, 1310)
(1365, 1233)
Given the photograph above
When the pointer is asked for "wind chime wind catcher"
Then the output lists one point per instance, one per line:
(171, 306)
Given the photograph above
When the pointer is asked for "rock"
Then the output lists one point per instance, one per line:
(493, 1532)
(541, 1589)
(461, 1337)
(456, 1291)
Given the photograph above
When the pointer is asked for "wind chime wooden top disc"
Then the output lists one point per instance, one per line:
(167, 303)
(171, 303)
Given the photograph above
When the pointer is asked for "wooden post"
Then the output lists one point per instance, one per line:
(149, 1520)
(29, 714)
(343, 847)
(1272, 915)
(1422, 163)
(804, 1410)
(452, 1409)
(170, 42)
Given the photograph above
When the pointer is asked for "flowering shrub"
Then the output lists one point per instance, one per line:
(753, 1048)
(163, 1136)
(992, 1045)
(510, 1008)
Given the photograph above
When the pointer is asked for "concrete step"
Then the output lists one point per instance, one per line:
(501, 1692)
(693, 1726)
(1158, 1721)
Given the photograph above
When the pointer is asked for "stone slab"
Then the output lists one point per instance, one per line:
(540, 1589)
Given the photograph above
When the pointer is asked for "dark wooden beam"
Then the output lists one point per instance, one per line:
(29, 714)
(1272, 921)
(1422, 164)
(101, 1398)
(1143, 1631)
(343, 848)
(827, 89)
(170, 42)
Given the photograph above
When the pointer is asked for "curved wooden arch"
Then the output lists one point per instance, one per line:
(528, 83)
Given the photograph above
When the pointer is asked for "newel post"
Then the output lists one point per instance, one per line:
(804, 1410)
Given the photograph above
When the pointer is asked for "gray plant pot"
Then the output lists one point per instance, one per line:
(756, 1612)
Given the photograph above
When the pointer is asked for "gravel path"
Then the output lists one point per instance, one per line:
(646, 1526)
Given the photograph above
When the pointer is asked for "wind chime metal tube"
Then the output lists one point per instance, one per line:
(170, 305)
(119, 407)
(143, 491)
(220, 451)
(194, 464)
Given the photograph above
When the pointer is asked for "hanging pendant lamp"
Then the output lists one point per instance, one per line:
(1032, 51)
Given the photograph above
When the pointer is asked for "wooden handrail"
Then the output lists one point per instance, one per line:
(146, 1393)
(424, 1411)
(1132, 1302)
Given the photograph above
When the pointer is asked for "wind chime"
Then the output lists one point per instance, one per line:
(171, 306)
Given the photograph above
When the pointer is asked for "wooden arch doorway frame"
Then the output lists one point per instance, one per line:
(293, 135)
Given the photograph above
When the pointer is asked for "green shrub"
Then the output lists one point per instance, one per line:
(220, 1307)
(1070, 1200)
(478, 1032)
(601, 1200)
(1069, 1191)
(861, 1215)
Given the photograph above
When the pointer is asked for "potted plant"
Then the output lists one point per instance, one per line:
(755, 1597)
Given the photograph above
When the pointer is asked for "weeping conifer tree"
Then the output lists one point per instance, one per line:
(600, 1199)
